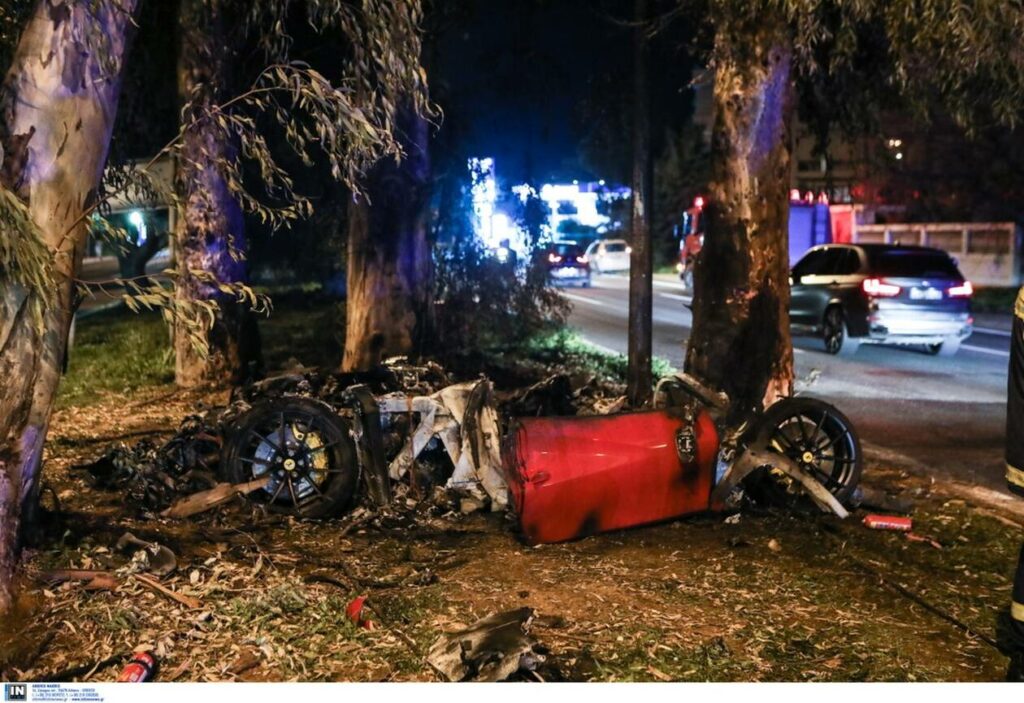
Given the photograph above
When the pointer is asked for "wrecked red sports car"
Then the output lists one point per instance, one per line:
(572, 477)
(567, 477)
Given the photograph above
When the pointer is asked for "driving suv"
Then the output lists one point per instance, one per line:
(849, 294)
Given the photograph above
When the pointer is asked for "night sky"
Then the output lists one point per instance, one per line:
(514, 76)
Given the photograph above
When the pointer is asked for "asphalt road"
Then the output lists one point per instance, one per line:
(106, 269)
(947, 414)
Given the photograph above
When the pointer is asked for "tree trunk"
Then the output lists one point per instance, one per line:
(132, 259)
(211, 234)
(740, 340)
(639, 379)
(389, 258)
(59, 102)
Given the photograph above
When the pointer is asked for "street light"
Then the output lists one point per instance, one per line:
(139, 222)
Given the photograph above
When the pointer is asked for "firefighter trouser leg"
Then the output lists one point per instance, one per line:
(1017, 606)
(1014, 633)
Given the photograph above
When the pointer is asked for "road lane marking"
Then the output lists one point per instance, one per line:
(983, 350)
(582, 299)
(667, 284)
(988, 330)
(684, 298)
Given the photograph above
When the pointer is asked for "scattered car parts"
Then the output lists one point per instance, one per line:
(491, 649)
(311, 444)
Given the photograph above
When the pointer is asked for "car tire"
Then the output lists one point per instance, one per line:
(947, 347)
(795, 426)
(586, 283)
(325, 473)
(836, 335)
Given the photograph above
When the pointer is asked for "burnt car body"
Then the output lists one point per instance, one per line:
(880, 294)
(570, 477)
(573, 477)
(565, 476)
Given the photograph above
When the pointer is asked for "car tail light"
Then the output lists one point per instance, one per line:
(964, 290)
(582, 259)
(554, 258)
(876, 288)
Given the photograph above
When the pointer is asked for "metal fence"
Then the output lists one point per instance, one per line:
(987, 252)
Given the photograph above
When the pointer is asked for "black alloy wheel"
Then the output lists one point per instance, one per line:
(819, 439)
(303, 448)
(834, 330)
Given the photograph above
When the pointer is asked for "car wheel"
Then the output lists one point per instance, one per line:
(819, 439)
(835, 335)
(303, 447)
(949, 347)
(586, 283)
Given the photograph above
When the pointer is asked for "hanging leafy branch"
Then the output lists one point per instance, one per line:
(347, 122)
(965, 56)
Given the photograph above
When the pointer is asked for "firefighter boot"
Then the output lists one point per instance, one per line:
(1010, 627)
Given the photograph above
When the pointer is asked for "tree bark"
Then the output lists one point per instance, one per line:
(639, 378)
(389, 267)
(59, 101)
(211, 234)
(740, 340)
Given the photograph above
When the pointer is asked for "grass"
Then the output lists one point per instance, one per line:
(566, 346)
(116, 351)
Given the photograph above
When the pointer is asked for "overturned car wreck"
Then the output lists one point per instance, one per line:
(567, 476)
(576, 476)
(313, 445)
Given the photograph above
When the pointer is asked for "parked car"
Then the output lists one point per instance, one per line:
(881, 294)
(609, 255)
(566, 264)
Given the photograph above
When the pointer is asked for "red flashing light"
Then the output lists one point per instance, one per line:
(877, 289)
(698, 202)
(965, 290)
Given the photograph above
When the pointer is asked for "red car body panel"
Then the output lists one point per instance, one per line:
(575, 476)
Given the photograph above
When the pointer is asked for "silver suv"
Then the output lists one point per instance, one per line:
(850, 294)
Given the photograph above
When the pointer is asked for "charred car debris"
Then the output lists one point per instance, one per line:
(317, 445)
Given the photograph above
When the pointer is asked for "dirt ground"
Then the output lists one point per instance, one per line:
(765, 598)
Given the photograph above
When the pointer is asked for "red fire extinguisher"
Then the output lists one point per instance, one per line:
(141, 667)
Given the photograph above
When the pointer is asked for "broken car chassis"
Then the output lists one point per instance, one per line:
(566, 476)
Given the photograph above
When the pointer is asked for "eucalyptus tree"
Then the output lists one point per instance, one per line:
(351, 122)
(58, 102)
(848, 56)
(389, 259)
